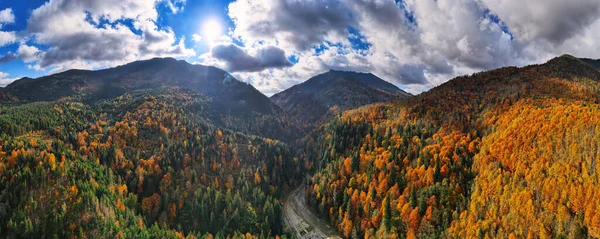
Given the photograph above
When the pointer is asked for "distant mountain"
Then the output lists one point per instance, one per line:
(229, 102)
(592, 62)
(335, 91)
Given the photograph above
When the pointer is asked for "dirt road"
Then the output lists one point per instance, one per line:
(302, 221)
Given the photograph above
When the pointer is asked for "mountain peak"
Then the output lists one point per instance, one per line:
(335, 77)
(154, 62)
(312, 100)
(346, 72)
(343, 71)
(567, 56)
(569, 67)
(162, 59)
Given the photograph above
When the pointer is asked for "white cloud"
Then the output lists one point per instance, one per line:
(552, 20)
(196, 38)
(417, 44)
(35, 67)
(7, 16)
(70, 29)
(586, 44)
(237, 59)
(5, 80)
(28, 53)
(287, 22)
(7, 38)
(414, 43)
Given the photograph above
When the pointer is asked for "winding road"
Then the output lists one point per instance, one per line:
(301, 221)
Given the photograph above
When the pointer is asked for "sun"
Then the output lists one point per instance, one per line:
(212, 30)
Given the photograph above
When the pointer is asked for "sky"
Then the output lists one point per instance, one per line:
(275, 44)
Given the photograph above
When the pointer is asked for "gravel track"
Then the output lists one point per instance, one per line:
(301, 221)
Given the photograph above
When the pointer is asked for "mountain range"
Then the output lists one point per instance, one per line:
(165, 149)
(229, 102)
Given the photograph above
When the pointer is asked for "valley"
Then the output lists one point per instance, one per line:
(159, 146)
(301, 220)
(299, 119)
(222, 161)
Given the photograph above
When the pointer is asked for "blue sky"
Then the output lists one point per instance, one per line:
(21, 9)
(189, 21)
(184, 23)
(274, 44)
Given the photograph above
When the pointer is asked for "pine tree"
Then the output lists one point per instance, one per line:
(387, 213)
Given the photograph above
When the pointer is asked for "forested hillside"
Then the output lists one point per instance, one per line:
(509, 153)
(141, 165)
(228, 103)
(156, 148)
(300, 119)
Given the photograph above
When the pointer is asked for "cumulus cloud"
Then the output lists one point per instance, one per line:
(298, 26)
(89, 33)
(461, 33)
(28, 53)
(412, 74)
(414, 43)
(196, 38)
(235, 59)
(7, 38)
(289, 21)
(417, 44)
(6, 16)
(552, 20)
(5, 80)
(8, 57)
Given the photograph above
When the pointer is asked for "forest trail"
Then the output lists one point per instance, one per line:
(300, 219)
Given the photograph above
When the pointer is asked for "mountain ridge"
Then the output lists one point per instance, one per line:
(427, 166)
(470, 147)
(231, 103)
(323, 95)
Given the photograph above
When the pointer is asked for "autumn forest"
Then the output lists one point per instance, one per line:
(507, 153)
